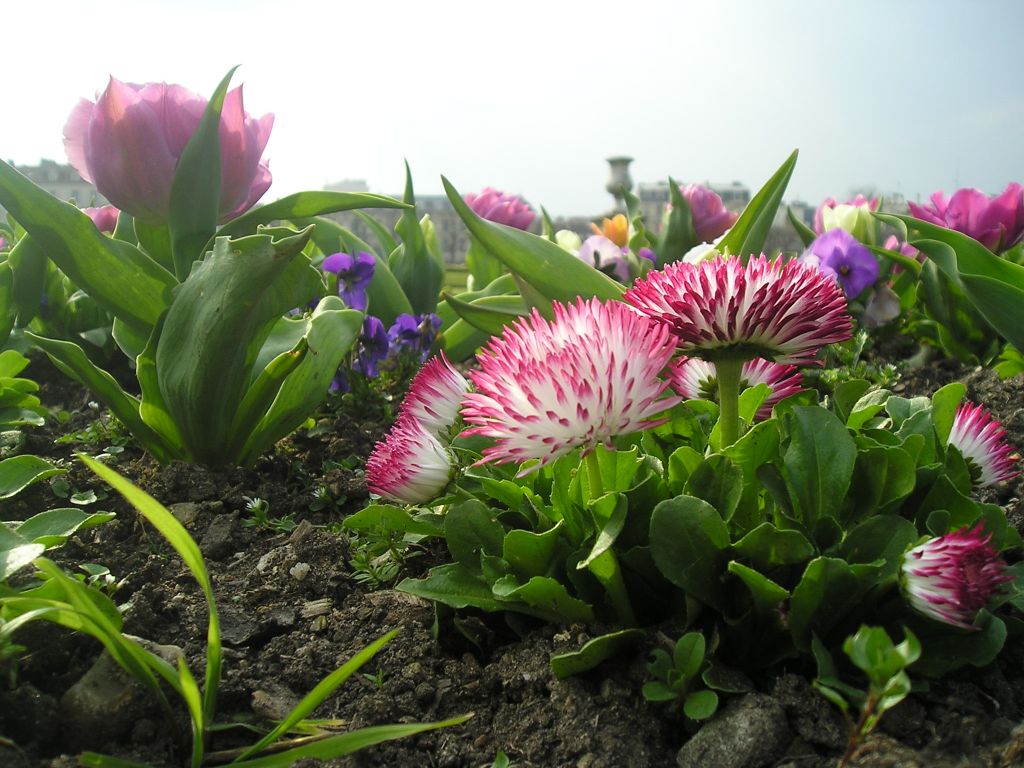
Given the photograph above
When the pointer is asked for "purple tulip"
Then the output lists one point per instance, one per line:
(604, 255)
(354, 275)
(129, 142)
(500, 208)
(710, 216)
(838, 253)
(995, 222)
(104, 217)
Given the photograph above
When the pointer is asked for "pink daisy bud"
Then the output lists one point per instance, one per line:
(696, 379)
(435, 395)
(979, 438)
(952, 577)
(544, 388)
(721, 309)
(410, 465)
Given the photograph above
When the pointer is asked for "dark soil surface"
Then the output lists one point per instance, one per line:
(292, 610)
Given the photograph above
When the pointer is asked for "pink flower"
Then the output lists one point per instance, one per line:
(710, 216)
(721, 309)
(830, 202)
(996, 222)
(893, 243)
(510, 210)
(545, 388)
(952, 577)
(104, 217)
(130, 141)
(980, 440)
(410, 465)
(435, 395)
(695, 379)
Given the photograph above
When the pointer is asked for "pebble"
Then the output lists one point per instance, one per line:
(751, 732)
(299, 571)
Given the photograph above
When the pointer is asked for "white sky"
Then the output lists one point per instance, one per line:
(531, 97)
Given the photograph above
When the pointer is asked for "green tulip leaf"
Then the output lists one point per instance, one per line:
(118, 276)
(16, 551)
(747, 236)
(419, 273)
(28, 262)
(556, 274)
(489, 314)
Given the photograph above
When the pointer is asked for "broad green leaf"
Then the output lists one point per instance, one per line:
(688, 654)
(8, 308)
(152, 408)
(19, 472)
(677, 235)
(16, 551)
(546, 598)
(456, 586)
(593, 652)
(195, 191)
(28, 260)
(994, 285)
(882, 477)
(172, 530)
(609, 513)
(470, 529)
(530, 554)
(827, 592)
(117, 275)
(52, 527)
(944, 650)
(503, 286)
(385, 239)
(768, 547)
(416, 270)
(489, 314)
(303, 205)
(220, 317)
(700, 705)
(690, 545)
(72, 361)
(389, 518)
(818, 463)
(884, 538)
(747, 236)
(332, 329)
(945, 402)
(719, 482)
(805, 233)
(766, 594)
(555, 273)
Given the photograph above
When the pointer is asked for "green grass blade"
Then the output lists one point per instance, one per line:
(347, 743)
(186, 547)
(323, 689)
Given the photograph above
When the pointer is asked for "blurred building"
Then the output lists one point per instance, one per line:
(63, 182)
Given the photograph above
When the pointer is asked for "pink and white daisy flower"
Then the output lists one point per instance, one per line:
(545, 388)
(410, 465)
(695, 379)
(721, 309)
(435, 395)
(980, 439)
(952, 577)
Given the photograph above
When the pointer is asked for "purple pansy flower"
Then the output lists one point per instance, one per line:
(354, 275)
(371, 348)
(414, 333)
(839, 254)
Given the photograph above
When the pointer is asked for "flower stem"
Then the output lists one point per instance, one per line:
(594, 475)
(728, 374)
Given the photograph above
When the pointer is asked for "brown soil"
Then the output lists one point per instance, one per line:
(292, 611)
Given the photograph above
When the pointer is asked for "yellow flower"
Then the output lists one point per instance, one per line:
(615, 229)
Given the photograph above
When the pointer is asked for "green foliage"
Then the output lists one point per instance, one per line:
(884, 664)
(79, 606)
(678, 677)
(795, 531)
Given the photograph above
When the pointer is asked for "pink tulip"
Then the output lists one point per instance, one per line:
(710, 216)
(995, 222)
(104, 217)
(129, 143)
(501, 208)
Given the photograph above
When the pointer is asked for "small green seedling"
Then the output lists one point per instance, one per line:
(872, 651)
(677, 677)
